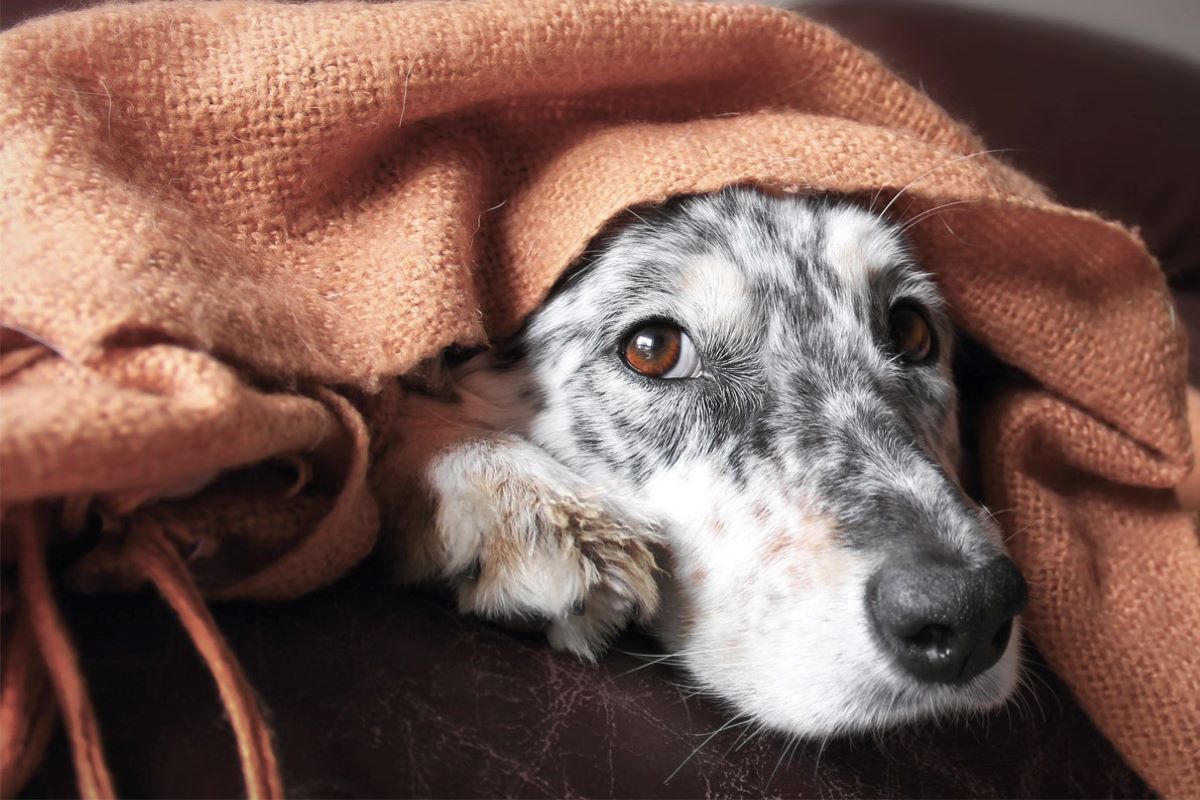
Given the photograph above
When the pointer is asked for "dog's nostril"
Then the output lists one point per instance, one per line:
(935, 639)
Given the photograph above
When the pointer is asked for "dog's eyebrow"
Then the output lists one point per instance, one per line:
(902, 278)
(857, 245)
(717, 291)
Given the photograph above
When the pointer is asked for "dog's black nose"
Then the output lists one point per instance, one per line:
(946, 622)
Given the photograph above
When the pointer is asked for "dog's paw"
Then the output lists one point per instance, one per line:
(525, 545)
(618, 585)
(575, 569)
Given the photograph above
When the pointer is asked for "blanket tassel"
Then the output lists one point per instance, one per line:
(58, 654)
(46, 634)
(161, 564)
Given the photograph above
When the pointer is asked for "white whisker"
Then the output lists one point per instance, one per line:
(932, 170)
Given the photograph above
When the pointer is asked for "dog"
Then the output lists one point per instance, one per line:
(734, 422)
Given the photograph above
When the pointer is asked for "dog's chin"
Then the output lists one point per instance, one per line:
(917, 702)
(886, 698)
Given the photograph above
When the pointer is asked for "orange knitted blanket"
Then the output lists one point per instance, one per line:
(228, 225)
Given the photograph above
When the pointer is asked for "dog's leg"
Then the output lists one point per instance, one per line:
(519, 537)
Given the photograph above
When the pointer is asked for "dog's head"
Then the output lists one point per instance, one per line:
(770, 376)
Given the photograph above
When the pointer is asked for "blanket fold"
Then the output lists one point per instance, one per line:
(230, 225)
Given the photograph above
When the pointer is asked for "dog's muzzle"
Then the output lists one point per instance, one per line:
(946, 621)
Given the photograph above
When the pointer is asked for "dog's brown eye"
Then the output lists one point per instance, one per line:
(661, 350)
(911, 335)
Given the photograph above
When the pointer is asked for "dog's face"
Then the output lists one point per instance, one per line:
(770, 378)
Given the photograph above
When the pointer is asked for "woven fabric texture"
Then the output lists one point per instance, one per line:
(229, 225)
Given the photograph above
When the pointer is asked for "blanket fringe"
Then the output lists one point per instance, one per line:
(27, 708)
(58, 654)
(161, 564)
(39, 656)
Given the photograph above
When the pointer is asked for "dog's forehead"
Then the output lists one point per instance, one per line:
(739, 244)
(739, 265)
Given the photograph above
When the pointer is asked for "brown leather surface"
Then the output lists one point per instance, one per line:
(381, 692)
